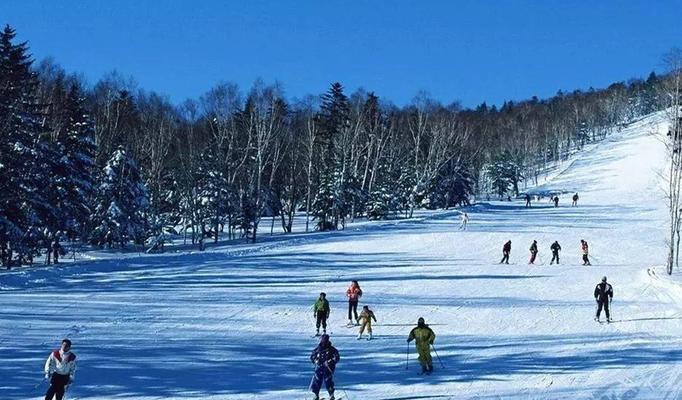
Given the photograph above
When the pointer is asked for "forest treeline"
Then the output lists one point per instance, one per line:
(110, 163)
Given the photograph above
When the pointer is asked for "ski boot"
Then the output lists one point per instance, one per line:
(369, 337)
(359, 337)
(350, 323)
(317, 332)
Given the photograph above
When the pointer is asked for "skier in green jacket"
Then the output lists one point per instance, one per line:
(424, 337)
(321, 313)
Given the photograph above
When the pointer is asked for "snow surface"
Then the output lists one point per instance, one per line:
(236, 322)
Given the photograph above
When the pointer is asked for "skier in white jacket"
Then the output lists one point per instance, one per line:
(60, 368)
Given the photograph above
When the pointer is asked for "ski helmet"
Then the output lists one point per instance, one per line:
(603, 279)
(420, 321)
(323, 294)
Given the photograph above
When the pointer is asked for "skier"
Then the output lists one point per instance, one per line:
(60, 369)
(506, 249)
(325, 357)
(366, 317)
(556, 201)
(527, 200)
(321, 313)
(575, 200)
(603, 294)
(424, 337)
(55, 247)
(354, 293)
(586, 252)
(533, 252)
(555, 247)
(465, 219)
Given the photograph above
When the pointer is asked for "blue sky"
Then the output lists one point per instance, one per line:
(472, 51)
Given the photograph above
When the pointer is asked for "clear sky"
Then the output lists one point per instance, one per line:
(472, 51)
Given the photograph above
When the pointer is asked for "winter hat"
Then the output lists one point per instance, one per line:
(323, 294)
(365, 307)
(420, 321)
(324, 339)
(603, 279)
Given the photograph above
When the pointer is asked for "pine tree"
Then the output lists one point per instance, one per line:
(23, 208)
(120, 214)
(74, 177)
(328, 206)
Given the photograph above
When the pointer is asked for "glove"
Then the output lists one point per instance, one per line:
(47, 376)
(408, 340)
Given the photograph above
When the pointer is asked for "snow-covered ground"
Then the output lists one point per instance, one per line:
(236, 322)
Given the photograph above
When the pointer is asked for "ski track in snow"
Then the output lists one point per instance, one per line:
(237, 323)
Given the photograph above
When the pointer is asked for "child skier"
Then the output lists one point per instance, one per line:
(321, 313)
(424, 337)
(60, 369)
(325, 357)
(586, 252)
(354, 293)
(366, 317)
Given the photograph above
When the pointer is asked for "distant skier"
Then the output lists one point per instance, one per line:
(533, 252)
(603, 294)
(366, 317)
(556, 201)
(325, 357)
(575, 200)
(424, 337)
(556, 248)
(586, 252)
(506, 249)
(321, 313)
(60, 369)
(56, 249)
(353, 293)
(527, 200)
(465, 220)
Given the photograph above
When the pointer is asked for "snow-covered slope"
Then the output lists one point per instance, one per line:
(238, 325)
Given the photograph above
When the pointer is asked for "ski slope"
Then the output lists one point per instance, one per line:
(236, 322)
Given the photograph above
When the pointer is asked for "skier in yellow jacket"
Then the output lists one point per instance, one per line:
(424, 337)
(366, 317)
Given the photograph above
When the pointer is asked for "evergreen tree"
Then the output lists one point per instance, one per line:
(328, 207)
(120, 214)
(23, 207)
(74, 177)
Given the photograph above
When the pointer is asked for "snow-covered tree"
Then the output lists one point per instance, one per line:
(23, 153)
(120, 214)
(328, 205)
(74, 177)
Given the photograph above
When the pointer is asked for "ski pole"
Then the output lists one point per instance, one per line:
(437, 356)
(407, 357)
(39, 383)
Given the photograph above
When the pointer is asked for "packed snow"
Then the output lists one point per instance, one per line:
(236, 322)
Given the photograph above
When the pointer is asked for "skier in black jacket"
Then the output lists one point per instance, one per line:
(325, 357)
(555, 247)
(603, 294)
(506, 249)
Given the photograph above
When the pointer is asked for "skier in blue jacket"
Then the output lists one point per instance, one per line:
(325, 357)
